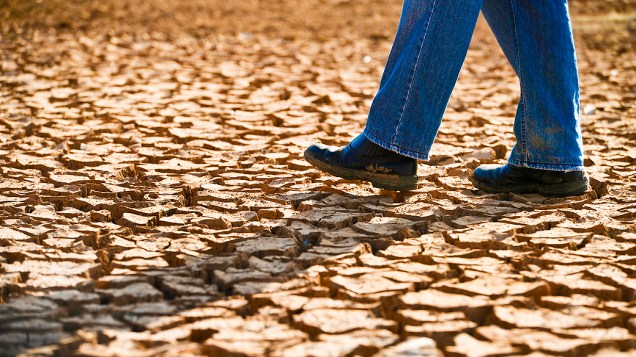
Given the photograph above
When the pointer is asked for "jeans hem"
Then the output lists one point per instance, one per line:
(546, 166)
(420, 155)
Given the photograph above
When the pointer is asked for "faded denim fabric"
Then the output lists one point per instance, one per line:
(428, 53)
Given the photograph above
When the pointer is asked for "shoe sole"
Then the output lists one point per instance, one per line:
(571, 188)
(385, 181)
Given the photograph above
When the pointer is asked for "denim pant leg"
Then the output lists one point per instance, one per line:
(427, 55)
(536, 37)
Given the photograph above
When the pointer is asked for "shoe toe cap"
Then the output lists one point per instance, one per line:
(322, 148)
(317, 150)
(484, 172)
(322, 152)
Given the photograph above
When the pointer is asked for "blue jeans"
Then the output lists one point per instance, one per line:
(428, 53)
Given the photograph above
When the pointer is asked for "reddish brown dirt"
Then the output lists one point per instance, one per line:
(154, 199)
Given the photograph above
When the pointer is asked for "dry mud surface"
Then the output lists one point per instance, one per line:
(154, 199)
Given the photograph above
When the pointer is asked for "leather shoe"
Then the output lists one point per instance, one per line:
(364, 160)
(516, 179)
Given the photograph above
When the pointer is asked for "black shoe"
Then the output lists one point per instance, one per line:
(515, 179)
(364, 160)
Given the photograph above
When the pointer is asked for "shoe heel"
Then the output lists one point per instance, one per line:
(572, 188)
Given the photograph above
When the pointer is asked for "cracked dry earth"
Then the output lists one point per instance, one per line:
(154, 201)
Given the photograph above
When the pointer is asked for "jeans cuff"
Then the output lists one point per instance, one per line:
(415, 154)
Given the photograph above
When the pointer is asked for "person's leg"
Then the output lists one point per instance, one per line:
(536, 37)
(427, 55)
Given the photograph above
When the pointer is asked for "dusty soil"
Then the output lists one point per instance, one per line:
(154, 200)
